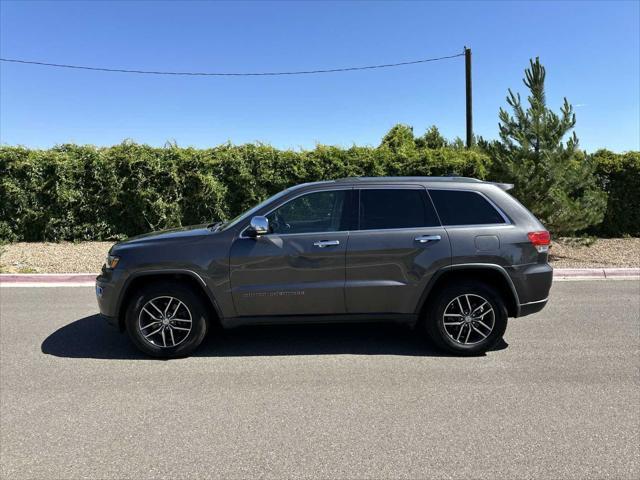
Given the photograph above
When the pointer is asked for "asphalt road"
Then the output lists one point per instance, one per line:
(560, 399)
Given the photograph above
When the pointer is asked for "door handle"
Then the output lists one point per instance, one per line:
(326, 243)
(427, 238)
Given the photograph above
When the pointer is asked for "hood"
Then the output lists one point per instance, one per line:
(175, 234)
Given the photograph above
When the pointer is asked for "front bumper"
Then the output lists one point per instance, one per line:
(113, 321)
(108, 285)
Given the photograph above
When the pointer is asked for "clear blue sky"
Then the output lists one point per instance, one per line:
(591, 51)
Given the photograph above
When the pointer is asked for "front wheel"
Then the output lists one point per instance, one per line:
(166, 320)
(467, 319)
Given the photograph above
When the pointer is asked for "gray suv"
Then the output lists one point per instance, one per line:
(454, 257)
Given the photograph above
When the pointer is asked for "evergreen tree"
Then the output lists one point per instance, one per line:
(432, 138)
(399, 139)
(553, 178)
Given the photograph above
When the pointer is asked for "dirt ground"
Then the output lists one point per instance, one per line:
(88, 257)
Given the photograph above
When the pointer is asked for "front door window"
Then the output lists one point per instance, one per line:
(316, 212)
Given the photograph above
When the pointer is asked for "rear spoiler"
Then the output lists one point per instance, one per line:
(504, 186)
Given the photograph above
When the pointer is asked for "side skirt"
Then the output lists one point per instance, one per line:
(319, 319)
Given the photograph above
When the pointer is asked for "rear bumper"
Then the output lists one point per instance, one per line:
(532, 283)
(532, 307)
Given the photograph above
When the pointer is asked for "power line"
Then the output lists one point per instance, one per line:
(229, 74)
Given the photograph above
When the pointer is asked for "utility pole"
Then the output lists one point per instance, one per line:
(467, 68)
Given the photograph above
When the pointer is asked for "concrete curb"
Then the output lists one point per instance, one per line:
(596, 273)
(88, 279)
(48, 277)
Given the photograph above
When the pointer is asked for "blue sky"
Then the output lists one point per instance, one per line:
(591, 51)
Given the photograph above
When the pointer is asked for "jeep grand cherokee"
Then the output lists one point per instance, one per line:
(454, 257)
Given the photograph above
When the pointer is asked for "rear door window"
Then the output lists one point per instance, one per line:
(457, 207)
(395, 208)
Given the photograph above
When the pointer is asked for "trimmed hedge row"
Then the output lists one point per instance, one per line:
(619, 176)
(75, 192)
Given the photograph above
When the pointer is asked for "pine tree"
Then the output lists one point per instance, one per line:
(553, 178)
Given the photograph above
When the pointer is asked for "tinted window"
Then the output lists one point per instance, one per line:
(395, 208)
(464, 208)
(314, 212)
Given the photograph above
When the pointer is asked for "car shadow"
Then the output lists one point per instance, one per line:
(91, 337)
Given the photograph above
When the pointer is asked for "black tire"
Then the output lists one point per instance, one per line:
(444, 337)
(185, 342)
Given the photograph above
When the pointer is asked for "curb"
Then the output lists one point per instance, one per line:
(88, 279)
(596, 273)
(48, 277)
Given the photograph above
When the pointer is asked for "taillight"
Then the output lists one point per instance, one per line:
(540, 240)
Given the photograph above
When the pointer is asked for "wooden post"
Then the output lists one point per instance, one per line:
(467, 68)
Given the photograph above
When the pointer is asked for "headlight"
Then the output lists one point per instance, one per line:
(112, 261)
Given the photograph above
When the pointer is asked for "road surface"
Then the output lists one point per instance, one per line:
(559, 399)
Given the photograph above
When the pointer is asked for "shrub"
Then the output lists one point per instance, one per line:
(619, 176)
(73, 192)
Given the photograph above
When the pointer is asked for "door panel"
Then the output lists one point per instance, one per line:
(301, 274)
(298, 268)
(387, 270)
(397, 248)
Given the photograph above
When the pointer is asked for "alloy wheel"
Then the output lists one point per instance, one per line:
(468, 319)
(165, 321)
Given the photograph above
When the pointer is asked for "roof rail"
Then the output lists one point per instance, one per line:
(444, 178)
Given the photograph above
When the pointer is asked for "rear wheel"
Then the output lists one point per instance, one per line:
(166, 320)
(467, 319)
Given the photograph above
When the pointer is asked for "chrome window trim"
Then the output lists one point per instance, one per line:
(373, 186)
(278, 235)
(403, 186)
(481, 225)
(507, 220)
(401, 229)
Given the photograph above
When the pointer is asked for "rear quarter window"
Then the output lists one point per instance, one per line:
(457, 207)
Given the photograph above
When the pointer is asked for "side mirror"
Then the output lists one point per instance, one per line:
(258, 226)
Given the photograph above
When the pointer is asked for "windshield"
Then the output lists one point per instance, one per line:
(233, 222)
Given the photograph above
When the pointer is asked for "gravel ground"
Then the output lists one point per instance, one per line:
(65, 257)
(604, 252)
(87, 257)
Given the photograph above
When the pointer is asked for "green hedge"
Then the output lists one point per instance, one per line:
(86, 193)
(75, 192)
(619, 175)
